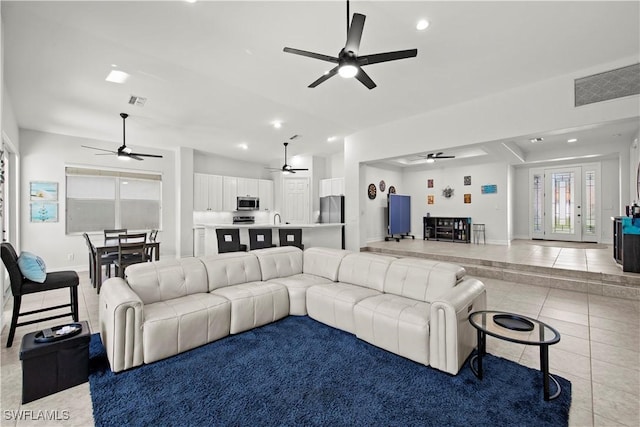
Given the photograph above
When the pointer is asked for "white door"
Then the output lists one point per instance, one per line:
(564, 203)
(296, 200)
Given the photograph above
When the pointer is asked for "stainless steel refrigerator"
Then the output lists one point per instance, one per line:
(332, 209)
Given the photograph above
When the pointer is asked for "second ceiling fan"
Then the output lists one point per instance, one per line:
(349, 62)
(287, 168)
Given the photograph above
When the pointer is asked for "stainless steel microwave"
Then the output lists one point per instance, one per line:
(245, 203)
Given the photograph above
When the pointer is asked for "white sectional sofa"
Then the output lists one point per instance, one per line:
(415, 308)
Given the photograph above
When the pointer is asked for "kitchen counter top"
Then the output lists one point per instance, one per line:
(275, 226)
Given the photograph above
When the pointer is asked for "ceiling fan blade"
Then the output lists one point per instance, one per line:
(146, 155)
(311, 54)
(365, 79)
(325, 77)
(355, 33)
(101, 149)
(134, 156)
(297, 169)
(444, 157)
(387, 56)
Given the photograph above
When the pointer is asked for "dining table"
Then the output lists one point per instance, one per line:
(109, 245)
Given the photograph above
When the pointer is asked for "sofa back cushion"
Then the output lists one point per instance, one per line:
(364, 269)
(231, 268)
(167, 279)
(277, 262)
(421, 280)
(323, 262)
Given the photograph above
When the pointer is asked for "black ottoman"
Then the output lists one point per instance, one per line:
(49, 367)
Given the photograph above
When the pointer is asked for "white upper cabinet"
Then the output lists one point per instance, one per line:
(207, 192)
(331, 187)
(265, 192)
(247, 187)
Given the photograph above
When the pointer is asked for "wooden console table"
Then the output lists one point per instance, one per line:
(450, 229)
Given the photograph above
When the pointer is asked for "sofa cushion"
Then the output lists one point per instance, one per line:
(231, 268)
(420, 280)
(333, 303)
(297, 286)
(323, 262)
(364, 269)
(281, 261)
(255, 304)
(167, 279)
(180, 324)
(396, 324)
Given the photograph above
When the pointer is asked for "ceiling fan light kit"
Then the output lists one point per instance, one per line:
(349, 63)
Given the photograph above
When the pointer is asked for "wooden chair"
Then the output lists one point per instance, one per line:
(132, 249)
(260, 238)
(22, 286)
(291, 237)
(114, 234)
(229, 240)
(105, 260)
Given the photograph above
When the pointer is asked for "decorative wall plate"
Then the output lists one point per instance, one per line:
(382, 185)
(447, 192)
(372, 191)
(392, 190)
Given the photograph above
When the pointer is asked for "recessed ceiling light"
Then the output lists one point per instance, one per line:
(243, 146)
(116, 76)
(277, 124)
(331, 139)
(191, 1)
(422, 24)
(572, 140)
(538, 139)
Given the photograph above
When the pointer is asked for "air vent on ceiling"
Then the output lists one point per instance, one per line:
(611, 84)
(137, 100)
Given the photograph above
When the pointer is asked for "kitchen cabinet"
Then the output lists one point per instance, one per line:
(207, 192)
(265, 192)
(247, 187)
(229, 193)
(331, 187)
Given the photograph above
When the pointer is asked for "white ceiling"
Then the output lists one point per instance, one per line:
(215, 75)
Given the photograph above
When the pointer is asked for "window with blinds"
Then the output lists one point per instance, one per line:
(108, 199)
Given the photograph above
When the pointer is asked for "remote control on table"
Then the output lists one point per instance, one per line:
(47, 333)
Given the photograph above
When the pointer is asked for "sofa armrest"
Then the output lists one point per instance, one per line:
(452, 338)
(121, 319)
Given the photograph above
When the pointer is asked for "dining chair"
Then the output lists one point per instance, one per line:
(22, 286)
(131, 250)
(114, 233)
(260, 238)
(229, 240)
(105, 260)
(291, 237)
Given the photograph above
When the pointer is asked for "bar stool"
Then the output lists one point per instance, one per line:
(479, 229)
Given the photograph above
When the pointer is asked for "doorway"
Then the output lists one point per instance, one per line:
(296, 200)
(565, 203)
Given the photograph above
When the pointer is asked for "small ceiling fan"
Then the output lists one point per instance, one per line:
(349, 63)
(287, 168)
(431, 157)
(123, 152)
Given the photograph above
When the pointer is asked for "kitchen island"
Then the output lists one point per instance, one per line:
(313, 235)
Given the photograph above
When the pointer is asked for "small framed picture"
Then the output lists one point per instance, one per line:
(43, 191)
(44, 212)
(467, 180)
(467, 198)
(430, 199)
(429, 183)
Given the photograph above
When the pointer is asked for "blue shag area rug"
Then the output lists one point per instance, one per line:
(299, 372)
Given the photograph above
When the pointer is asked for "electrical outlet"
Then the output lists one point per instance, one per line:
(70, 257)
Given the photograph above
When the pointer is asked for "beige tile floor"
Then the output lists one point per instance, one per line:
(599, 351)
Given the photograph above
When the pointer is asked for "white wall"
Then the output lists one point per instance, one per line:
(488, 209)
(376, 209)
(184, 196)
(543, 106)
(44, 157)
(217, 165)
(521, 202)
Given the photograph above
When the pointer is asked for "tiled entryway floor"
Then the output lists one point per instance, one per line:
(599, 351)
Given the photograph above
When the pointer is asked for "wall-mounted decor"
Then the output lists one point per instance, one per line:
(430, 199)
(467, 180)
(372, 192)
(44, 212)
(467, 198)
(41, 191)
(447, 192)
(392, 190)
(382, 186)
(429, 183)
(489, 189)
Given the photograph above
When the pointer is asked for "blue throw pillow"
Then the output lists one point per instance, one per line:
(32, 267)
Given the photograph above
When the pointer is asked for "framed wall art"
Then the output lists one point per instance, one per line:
(44, 212)
(43, 191)
(467, 198)
(430, 199)
(429, 183)
(467, 180)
